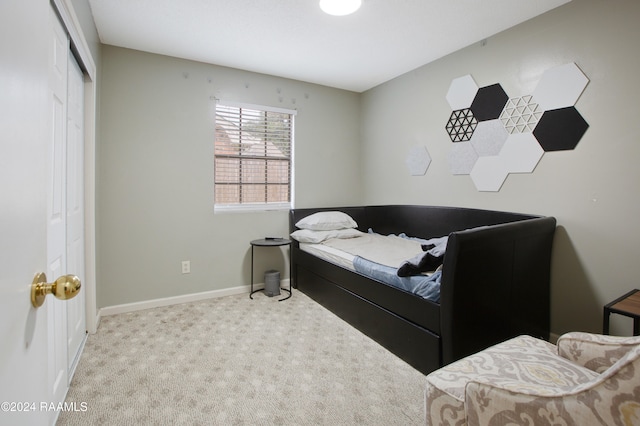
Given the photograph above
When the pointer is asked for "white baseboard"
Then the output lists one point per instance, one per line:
(176, 300)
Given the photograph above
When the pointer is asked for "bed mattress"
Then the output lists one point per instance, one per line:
(384, 254)
(330, 254)
(387, 250)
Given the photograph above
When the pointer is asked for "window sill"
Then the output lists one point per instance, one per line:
(251, 208)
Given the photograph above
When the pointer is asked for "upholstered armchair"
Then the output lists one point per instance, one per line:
(587, 379)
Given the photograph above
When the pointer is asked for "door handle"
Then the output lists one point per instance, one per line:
(64, 288)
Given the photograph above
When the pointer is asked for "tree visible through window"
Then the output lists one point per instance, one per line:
(253, 159)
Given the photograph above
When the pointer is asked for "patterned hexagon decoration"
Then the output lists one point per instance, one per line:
(521, 114)
(461, 92)
(560, 87)
(462, 158)
(489, 137)
(496, 135)
(418, 160)
(461, 125)
(521, 153)
(489, 102)
(560, 129)
(489, 173)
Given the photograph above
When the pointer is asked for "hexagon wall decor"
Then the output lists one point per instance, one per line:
(461, 92)
(521, 153)
(560, 87)
(496, 135)
(520, 114)
(489, 173)
(462, 158)
(560, 129)
(489, 102)
(489, 138)
(418, 160)
(461, 125)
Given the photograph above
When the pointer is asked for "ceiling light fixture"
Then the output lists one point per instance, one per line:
(340, 7)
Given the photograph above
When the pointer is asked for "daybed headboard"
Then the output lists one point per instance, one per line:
(421, 221)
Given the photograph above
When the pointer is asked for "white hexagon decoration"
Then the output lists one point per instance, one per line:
(461, 92)
(418, 160)
(489, 137)
(520, 114)
(521, 153)
(489, 173)
(560, 87)
(462, 158)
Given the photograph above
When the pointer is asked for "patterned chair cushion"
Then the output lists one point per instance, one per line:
(522, 364)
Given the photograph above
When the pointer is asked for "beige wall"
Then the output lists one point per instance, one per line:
(592, 190)
(155, 173)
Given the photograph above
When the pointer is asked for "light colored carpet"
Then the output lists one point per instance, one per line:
(233, 360)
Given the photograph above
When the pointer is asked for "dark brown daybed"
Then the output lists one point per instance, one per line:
(494, 282)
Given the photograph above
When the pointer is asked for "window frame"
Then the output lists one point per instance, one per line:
(260, 206)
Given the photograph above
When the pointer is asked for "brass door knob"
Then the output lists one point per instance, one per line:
(64, 288)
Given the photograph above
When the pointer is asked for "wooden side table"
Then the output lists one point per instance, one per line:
(270, 242)
(627, 305)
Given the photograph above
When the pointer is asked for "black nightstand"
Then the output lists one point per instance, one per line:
(270, 242)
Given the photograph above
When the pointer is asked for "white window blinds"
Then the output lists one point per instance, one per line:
(253, 156)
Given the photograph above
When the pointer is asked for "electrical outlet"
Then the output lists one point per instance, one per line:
(186, 266)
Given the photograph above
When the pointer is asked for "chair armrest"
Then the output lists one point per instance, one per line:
(596, 352)
(610, 398)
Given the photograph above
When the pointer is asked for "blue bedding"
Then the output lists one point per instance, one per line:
(427, 287)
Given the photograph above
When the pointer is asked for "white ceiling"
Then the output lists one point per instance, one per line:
(295, 39)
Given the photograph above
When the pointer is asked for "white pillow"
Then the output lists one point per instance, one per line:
(326, 221)
(315, 237)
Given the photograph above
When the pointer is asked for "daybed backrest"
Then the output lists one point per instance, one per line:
(415, 221)
(433, 221)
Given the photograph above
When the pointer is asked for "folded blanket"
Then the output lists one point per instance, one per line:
(385, 250)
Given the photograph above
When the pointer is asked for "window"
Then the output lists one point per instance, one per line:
(253, 157)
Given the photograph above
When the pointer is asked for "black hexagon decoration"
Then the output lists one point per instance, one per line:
(560, 129)
(461, 125)
(489, 102)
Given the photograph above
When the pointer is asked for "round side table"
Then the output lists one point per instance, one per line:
(270, 242)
